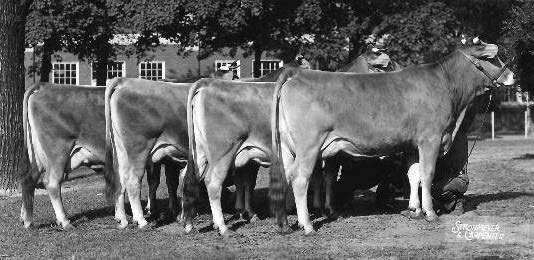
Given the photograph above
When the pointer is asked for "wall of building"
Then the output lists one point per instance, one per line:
(176, 66)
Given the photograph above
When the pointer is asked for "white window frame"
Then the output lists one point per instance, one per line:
(219, 63)
(93, 80)
(154, 61)
(52, 78)
(280, 64)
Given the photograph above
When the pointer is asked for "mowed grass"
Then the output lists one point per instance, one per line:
(501, 192)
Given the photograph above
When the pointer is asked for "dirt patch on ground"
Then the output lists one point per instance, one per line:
(497, 224)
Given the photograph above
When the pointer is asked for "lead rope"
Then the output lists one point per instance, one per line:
(479, 131)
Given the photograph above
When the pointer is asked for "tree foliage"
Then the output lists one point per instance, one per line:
(422, 33)
(518, 31)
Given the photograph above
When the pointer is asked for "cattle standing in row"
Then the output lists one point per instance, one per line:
(64, 129)
(145, 124)
(229, 129)
(318, 114)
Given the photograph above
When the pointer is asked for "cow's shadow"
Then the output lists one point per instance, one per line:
(527, 156)
(474, 200)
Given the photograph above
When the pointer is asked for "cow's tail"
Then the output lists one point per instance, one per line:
(113, 185)
(278, 182)
(191, 187)
(27, 181)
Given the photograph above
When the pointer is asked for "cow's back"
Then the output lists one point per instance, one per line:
(150, 109)
(67, 117)
(375, 106)
(235, 112)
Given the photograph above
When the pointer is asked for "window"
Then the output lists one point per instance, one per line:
(65, 72)
(267, 66)
(115, 69)
(153, 70)
(237, 71)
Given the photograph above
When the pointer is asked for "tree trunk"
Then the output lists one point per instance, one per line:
(257, 59)
(355, 47)
(103, 53)
(13, 157)
(46, 61)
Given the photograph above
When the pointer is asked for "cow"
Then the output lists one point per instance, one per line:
(229, 129)
(64, 129)
(145, 124)
(371, 172)
(417, 110)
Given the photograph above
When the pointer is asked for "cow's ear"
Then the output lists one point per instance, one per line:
(487, 50)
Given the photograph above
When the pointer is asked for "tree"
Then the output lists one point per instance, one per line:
(518, 35)
(45, 26)
(13, 158)
(423, 32)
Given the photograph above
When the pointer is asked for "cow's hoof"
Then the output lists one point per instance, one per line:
(254, 218)
(188, 228)
(28, 225)
(285, 230)
(227, 233)
(330, 213)
(149, 226)
(416, 214)
(122, 224)
(142, 224)
(68, 227)
(412, 214)
(432, 217)
(310, 232)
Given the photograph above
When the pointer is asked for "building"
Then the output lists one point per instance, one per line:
(163, 63)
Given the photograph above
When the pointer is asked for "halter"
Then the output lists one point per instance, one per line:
(481, 68)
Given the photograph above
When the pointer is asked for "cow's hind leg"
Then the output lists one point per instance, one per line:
(132, 181)
(153, 175)
(28, 191)
(172, 176)
(120, 213)
(215, 177)
(302, 169)
(53, 186)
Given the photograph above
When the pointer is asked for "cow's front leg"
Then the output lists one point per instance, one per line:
(251, 176)
(172, 176)
(317, 181)
(153, 174)
(414, 205)
(330, 176)
(427, 158)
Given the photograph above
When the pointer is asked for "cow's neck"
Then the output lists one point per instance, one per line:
(462, 79)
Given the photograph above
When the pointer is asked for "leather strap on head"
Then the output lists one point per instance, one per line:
(493, 78)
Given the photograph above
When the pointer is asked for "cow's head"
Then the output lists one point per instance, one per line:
(224, 72)
(376, 57)
(484, 56)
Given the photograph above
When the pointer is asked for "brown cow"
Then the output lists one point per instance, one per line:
(417, 110)
(145, 124)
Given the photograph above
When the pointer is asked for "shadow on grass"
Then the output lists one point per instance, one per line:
(473, 200)
(527, 156)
